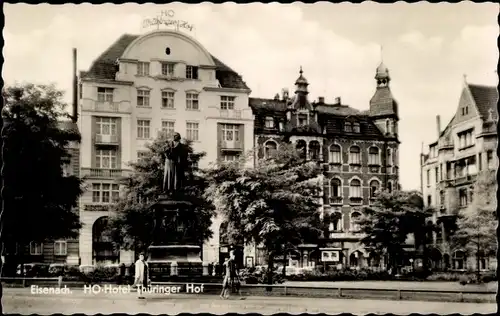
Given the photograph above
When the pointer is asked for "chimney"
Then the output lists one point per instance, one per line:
(277, 96)
(285, 94)
(321, 100)
(75, 89)
(438, 122)
(337, 101)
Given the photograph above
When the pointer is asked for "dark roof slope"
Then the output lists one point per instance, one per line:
(67, 125)
(486, 98)
(105, 67)
(383, 103)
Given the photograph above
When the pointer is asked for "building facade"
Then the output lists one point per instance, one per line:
(163, 81)
(465, 147)
(358, 151)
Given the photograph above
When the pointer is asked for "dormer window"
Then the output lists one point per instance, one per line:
(167, 69)
(302, 120)
(143, 68)
(348, 127)
(269, 122)
(191, 72)
(356, 128)
(465, 110)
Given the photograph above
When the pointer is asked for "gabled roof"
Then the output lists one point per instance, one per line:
(105, 68)
(486, 98)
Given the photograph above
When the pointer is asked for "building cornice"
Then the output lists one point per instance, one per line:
(234, 90)
(110, 82)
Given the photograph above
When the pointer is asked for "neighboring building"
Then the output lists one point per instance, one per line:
(359, 152)
(140, 86)
(465, 147)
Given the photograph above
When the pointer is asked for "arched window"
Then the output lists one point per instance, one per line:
(373, 156)
(374, 187)
(348, 127)
(355, 155)
(355, 188)
(301, 148)
(389, 156)
(223, 239)
(335, 154)
(335, 222)
(102, 246)
(270, 149)
(335, 188)
(354, 221)
(314, 150)
(356, 128)
(459, 260)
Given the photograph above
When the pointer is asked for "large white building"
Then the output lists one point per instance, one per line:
(141, 85)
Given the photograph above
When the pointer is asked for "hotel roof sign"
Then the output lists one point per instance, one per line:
(167, 19)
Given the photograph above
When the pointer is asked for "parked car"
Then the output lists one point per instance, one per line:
(87, 268)
(259, 270)
(57, 269)
(34, 269)
(289, 271)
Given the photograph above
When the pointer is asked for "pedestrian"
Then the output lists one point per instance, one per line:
(226, 279)
(141, 276)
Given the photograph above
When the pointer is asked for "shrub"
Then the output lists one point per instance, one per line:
(255, 277)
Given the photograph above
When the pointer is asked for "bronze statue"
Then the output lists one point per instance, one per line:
(176, 158)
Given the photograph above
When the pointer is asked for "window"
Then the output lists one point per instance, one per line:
(191, 72)
(314, 150)
(106, 126)
(462, 195)
(143, 68)
(480, 160)
(389, 156)
(192, 131)
(355, 155)
(389, 186)
(347, 127)
(269, 122)
(302, 120)
(230, 132)
(168, 127)
(167, 69)
(355, 189)
(354, 221)
(466, 139)
(489, 159)
(36, 248)
(270, 148)
(192, 101)
(143, 129)
(229, 156)
(442, 197)
(428, 177)
(167, 99)
(374, 187)
(335, 188)
(335, 154)
(143, 98)
(60, 248)
(227, 102)
(141, 155)
(459, 260)
(105, 94)
(373, 156)
(436, 175)
(106, 159)
(105, 192)
(335, 223)
(356, 128)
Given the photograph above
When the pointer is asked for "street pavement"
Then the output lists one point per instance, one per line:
(23, 302)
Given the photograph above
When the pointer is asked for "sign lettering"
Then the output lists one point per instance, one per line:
(166, 18)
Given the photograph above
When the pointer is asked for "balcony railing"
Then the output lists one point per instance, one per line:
(104, 173)
(464, 179)
(96, 208)
(106, 139)
(113, 107)
(216, 112)
(335, 200)
(226, 144)
(356, 200)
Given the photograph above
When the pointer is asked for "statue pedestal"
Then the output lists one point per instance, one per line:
(173, 246)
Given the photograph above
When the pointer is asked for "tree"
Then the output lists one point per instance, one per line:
(39, 199)
(274, 204)
(387, 223)
(476, 224)
(132, 223)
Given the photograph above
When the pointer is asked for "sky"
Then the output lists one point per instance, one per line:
(428, 49)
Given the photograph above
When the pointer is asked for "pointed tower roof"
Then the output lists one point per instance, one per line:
(301, 80)
(383, 103)
(382, 72)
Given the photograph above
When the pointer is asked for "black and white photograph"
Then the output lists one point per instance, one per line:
(249, 158)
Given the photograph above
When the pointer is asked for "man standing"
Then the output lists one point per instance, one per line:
(141, 276)
(231, 278)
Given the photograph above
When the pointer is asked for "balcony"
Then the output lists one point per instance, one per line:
(464, 180)
(217, 113)
(106, 140)
(345, 235)
(109, 107)
(96, 208)
(489, 129)
(231, 145)
(356, 200)
(104, 173)
(335, 200)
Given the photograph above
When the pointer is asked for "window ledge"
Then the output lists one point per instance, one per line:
(466, 147)
(164, 108)
(355, 164)
(335, 163)
(144, 107)
(193, 110)
(374, 164)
